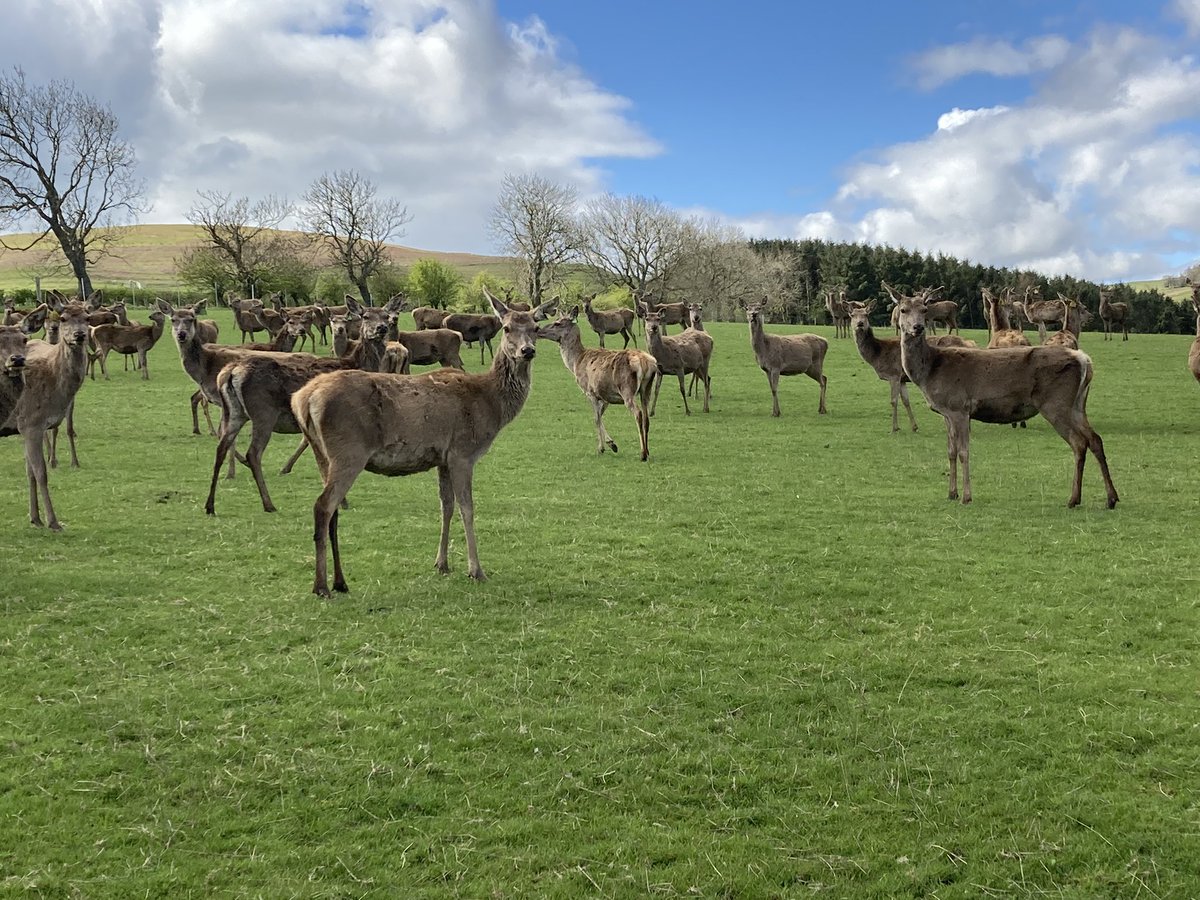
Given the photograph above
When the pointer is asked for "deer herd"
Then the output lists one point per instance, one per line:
(361, 409)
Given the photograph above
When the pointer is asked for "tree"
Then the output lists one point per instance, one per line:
(243, 235)
(64, 167)
(433, 283)
(718, 269)
(634, 240)
(343, 212)
(534, 220)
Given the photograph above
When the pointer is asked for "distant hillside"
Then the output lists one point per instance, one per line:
(1175, 293)
(147, 253)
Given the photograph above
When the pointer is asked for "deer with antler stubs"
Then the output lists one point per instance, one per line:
(404, 424)
(790, 354)
(1113, 315)
(1002, 386)
(606, 377)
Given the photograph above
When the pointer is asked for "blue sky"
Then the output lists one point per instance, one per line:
(1058, 135)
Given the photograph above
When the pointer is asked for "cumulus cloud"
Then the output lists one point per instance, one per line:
(1102, 155)
(434, 101)
(1189, 11)
(991, 57)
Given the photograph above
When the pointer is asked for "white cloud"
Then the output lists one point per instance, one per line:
(434, 101)
(1189, 11)
(991, 57)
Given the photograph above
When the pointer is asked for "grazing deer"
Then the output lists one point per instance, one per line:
(839, 312)
(12, 368)
(1194, 353)
(258, 388)
(137, 339)
(401, 425)
(791, 354)
(882, 355)
(1003, 334)
(481, 327)
(1113, 314)
(610, 321)
(680, 355)
(607, 376)
(53, 375)
(1002, 386)
(428, 317)
(436, 345)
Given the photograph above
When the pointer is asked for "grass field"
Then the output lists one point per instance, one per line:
(773, 660)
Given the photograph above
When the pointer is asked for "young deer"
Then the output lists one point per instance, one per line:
(53, 376)
(882, 355)
(1113, 315)
(404, 424)
(792, 354)
(679, 355)
(258, 388)
(1002, 386)
(607, 376)
(137, 339)
(610, 321)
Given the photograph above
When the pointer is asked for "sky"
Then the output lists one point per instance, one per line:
(1058, 135)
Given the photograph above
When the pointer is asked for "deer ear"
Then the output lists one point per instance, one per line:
(498, 305)
(199, 309)
(544, 310)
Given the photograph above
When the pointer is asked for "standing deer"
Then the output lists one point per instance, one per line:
(839, 312)
(12, 368)
(245, 314)
(137, 339)
(404, 424)
(1003, 334)
(258, 388)
(434, 345)
(1040, 312)
(791, 354)
(882, 355)
(1194, 353)
(607, 376)
(481, 327)
(610, 321)
(679, 355)
(1002, 386)
(53, 375)
(428, 317)
(1113, 314)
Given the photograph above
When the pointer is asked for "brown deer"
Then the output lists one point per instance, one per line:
(12, 368)
(1113, 314)
(882, 355)
(679, 355)
(428, 317)
(245, 315)
(436, 345)
(283, 342)
(607, 376)
(404, 424)
(481, 327)
(1040, 312)
(137, 339)
(1003, 334)
(1194, 352)
(208, 332)
(1002, 386)
(345, 328)
(1072, 319)
(610, 321)
(53, 376)
(31, 323)
(258, 388)
(839, 312)
(791, 354)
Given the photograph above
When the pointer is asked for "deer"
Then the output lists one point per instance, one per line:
(481, 327)
(137, 339)
(695, 321)
(1002, 386)
(1003, 334)
(1072, 319)
(607, 376)
(669, 313)
(1040, 312)
(283, 342)
(33, 322)
(403, 424)
(53, 375)
(610, 321)
(208, 332)
(679, 355)
(792, 354)
(258, 388)
(435, 345)
(1113, 314)
(245, 315)
(839, 313)
(428, 317)
(12, 368)
(882, 355)
(344, 328)
(1194, 352)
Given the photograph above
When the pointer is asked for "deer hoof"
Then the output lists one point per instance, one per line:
(478, 575)
(321, 591)
(612, 446)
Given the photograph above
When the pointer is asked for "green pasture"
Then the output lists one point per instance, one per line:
(772, 661)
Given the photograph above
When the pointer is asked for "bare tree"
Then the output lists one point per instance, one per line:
(242, 236)
(718, 269)
(64, 167)
(635, 240)
(342, 210)
(534, 220)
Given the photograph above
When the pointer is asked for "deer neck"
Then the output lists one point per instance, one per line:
(758, 339)
(507, 384)
(868, 344)
(571, 348)
(916, 357)
(367, 354)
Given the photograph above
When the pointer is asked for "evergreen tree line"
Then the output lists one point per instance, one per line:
(810, 267)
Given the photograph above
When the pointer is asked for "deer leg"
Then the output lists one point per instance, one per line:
(141, 358)
(707, 387)
(70, 434)
(683, 393)
(291, 461)
(824, 382)
(52, 446)
(35, 470)
(446, 495)
(602, 438)
(461, 478)
(260, 436)
(773, 380)
(952, 456)
(102, 355)
(230, 426)
(601, 335)
(895, 404)
(907, 407)
(658, 376)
